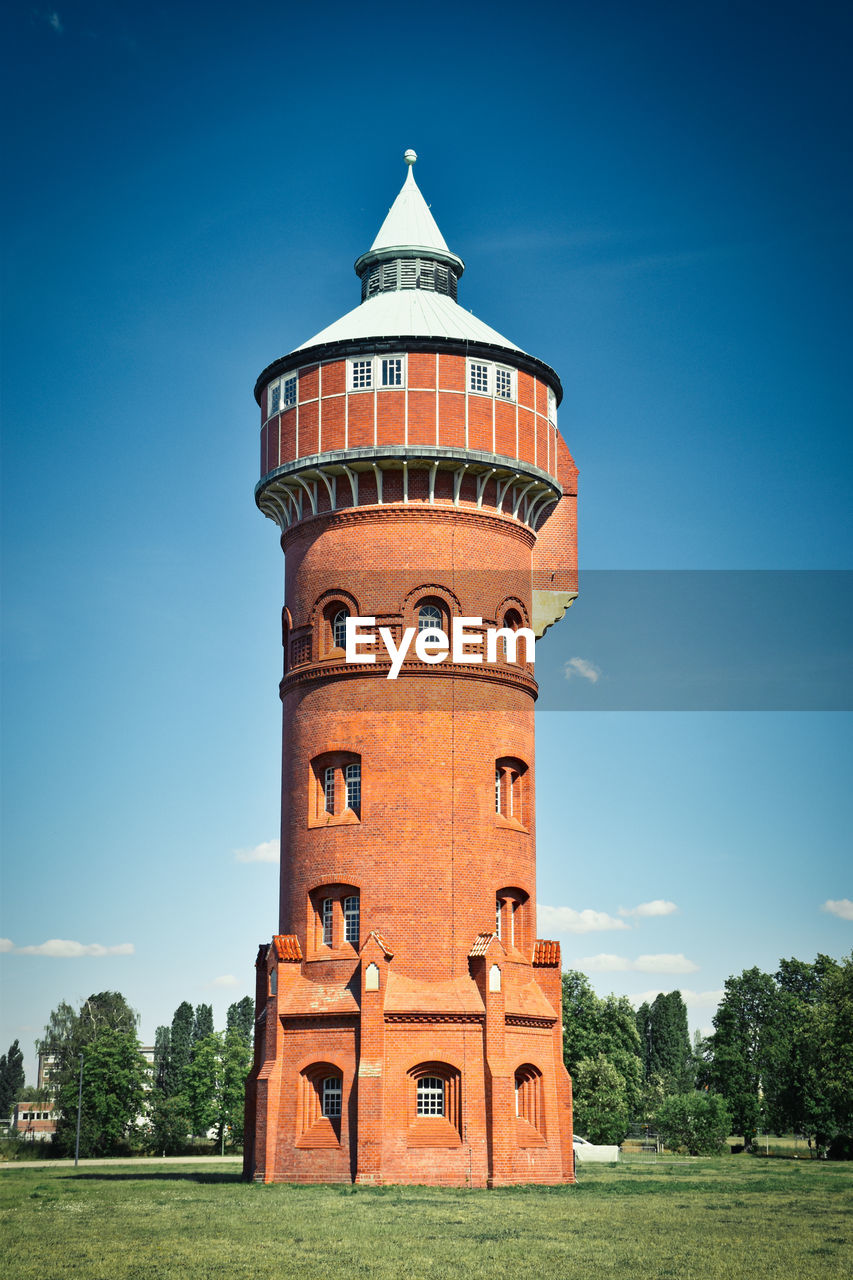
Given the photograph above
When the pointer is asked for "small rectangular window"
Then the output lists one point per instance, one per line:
(288, 397)
(273, 398)
(552, 407)
(329, 789)
(351, 919)
(332, 1096)
(478, 378)
(352, 775)
(327, 906)
(430, 1098)
(361, 373)
(392, 371)
(503, 384)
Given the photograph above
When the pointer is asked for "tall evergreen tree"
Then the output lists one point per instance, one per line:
(743, 1027)
(180, 1048)
(162, 1055)
(665, 1041)
(202, 1022)
(241, 1017)
(595, 1028)
(11, 1079)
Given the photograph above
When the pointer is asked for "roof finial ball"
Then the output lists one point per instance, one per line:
(410, 156)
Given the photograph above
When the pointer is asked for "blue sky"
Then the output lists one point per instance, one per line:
(656, 201)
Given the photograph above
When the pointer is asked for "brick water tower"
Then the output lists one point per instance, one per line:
(408, 1019)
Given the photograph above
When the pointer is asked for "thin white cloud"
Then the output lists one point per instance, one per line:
(225, 980)
(581, 667)
(55, 21)
(666, 963)
(658, 907)
(268, 851)
(66, 949)
(841, 907)
(566, 920)
(6, 944)
(705, 999)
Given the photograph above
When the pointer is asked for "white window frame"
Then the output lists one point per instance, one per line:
(339, 629)
(370, 373)
(480, 371)
(426, 623)
(352, 918)
(352, 780)
(552, 407)
(329, 789)
(504, 374)
(327, 916)
(431, 1098)
(331, 1097)
(286, 387)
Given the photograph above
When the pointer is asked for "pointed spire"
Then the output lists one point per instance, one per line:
(409, 222)
(410, 232)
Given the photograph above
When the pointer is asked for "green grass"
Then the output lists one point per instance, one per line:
(694, 1220)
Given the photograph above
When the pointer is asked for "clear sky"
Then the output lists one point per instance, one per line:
(656, 200)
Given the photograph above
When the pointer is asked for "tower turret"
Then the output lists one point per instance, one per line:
(409, 1020)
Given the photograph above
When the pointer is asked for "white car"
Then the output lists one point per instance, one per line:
(592, 1153)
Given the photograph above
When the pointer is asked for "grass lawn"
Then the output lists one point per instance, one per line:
(695, 1220)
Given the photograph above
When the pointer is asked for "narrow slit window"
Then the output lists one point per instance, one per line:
(273, 399)
(339, 629)
(329, 789)
(352, 775)
(351, 919)
(328, 905)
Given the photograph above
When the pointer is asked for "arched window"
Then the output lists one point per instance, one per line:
(339, 629)
(335, 789)
(435, 1105)
(511, 802)
(529, 1106)
(511, 919)
(336, 914)
(430, 618)
(320, 1106)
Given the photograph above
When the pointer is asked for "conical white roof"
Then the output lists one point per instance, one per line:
(409, 223)
(409, 231)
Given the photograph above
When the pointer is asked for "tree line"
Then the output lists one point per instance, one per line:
(779, 1060)
(196, 1087)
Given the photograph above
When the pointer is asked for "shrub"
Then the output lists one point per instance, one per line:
(697, 1122)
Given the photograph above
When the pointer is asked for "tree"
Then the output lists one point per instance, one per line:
(202, 1022)
(699, 1122)
(162, 1054)
(168, 1123)
(241, 1016)
(114, 1079)
(200, 1084)
(114, 1071)
(236, 1061)
(180, 1048)
(740, 1046)
(600, 1100)
(11, 1078)
(665, 1040)
(594, 1027)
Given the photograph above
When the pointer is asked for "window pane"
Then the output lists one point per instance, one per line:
(429, 618)
(289, 388)
(327, 922)
(352, 774)
(479, 378)
(430, 1096)
(339, 629)
(274, 399)
(392, 372)
(362, 373)
(351, 919)
(332, 1090)
(503, 384)
(329, 789)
